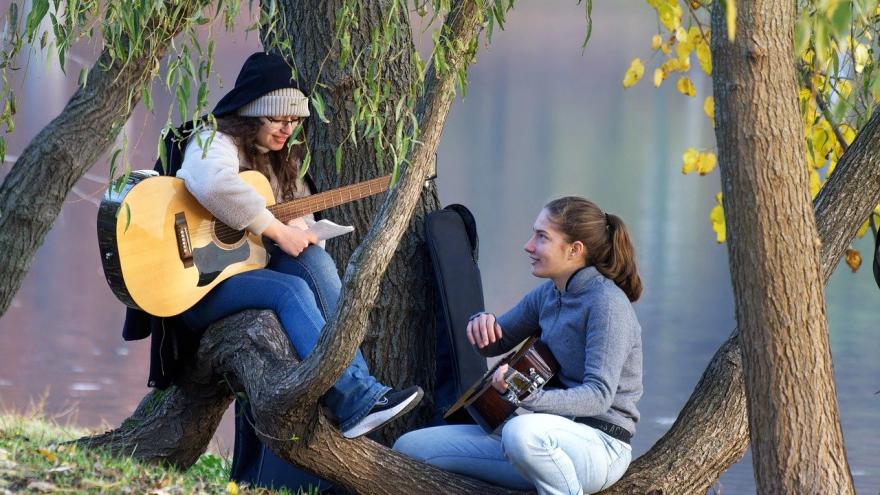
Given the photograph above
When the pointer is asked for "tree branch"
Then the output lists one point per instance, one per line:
(32, 194)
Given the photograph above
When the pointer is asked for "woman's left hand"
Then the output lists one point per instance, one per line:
(498, 379)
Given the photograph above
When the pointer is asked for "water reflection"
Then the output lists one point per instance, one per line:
(539, 120)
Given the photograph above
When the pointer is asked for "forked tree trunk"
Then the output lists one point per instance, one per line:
(774, 255)
(400, 340)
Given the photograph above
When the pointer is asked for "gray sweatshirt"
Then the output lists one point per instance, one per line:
(592, 330)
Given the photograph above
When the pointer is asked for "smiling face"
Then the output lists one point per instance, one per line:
(550, 253)
(275, 131)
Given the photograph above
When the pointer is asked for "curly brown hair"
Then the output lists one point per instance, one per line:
(284, 163)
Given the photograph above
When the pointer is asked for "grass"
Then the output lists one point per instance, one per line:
(33, 460)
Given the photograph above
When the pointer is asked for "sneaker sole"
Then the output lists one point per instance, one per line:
(379, 419)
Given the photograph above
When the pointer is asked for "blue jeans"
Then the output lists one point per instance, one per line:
(301, 291)
(543, 452)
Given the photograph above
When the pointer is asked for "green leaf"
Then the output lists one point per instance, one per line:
(318, 103)
(589, 9)
(163, 153)
(802, 32)
(305, 164)
(83, 76)
(35, 17)
(840, 19)
(127, 217)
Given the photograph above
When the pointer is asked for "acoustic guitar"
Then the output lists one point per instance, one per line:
(162, 251)
(532, 365)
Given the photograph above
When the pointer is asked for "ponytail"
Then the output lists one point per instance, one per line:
(620, 263)
(605, 238)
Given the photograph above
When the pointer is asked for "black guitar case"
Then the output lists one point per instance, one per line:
(451, 236)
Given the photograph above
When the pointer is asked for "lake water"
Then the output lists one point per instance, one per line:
(540, 120)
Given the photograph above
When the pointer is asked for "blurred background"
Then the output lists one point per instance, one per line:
(541, 118)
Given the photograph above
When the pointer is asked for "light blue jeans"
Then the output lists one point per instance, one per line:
(543, 452)
(301, 290)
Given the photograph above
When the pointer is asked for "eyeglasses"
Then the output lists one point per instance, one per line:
(280, 123)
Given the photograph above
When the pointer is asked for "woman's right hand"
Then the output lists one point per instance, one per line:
(483, 330)
(292, 240)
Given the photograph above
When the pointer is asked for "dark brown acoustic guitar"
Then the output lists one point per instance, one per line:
(532, 365)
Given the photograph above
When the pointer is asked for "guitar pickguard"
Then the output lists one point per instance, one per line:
(210, 260)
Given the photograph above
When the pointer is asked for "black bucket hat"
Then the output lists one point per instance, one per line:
(260, 74)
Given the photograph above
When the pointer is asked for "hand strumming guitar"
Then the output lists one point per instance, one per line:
(290, 238)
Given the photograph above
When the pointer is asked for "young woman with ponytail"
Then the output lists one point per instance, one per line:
(577, 440)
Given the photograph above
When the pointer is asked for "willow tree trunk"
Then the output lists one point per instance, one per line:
(400, 341)
(32, 194)
(774, 255)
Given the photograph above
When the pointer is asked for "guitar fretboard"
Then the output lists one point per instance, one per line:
(321, 201)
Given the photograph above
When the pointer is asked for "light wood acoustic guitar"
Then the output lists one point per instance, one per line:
(532, 365)
(162, 251)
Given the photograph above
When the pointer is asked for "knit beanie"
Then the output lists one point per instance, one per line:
(284, 101)
(261, 75)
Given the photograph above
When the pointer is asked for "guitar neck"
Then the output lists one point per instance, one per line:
(321, 201)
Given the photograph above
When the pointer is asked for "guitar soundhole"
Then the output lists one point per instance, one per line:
(227, 235)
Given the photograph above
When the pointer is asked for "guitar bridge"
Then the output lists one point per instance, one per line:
(184, 246)
(520, 384)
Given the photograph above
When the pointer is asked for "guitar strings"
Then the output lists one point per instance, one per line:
(304, 206)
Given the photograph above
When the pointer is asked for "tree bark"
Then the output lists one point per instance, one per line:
(32, 194)
(711, 433)
(774, 255)
(249, 353)
(400, 337)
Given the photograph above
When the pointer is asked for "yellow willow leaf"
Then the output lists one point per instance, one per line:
(730, 10)
(863, 229)
(659, 76)
(686, 87)
(853, 259)
(849, 134)
(716, 216)
(820, 144)
(706, 163)
(672, 65)
(689, 160)
(704, 56)
(861, 57)
(815, 184)
(665, 49)
(804, 95)
(656, 42)
(668, 11)
(232, 488)
(694, 35)
(709, 108)
(683, 52)
(844, 87)
(48, 454)
(681, 35)
(634, 73)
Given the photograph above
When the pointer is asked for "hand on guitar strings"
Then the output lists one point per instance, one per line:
(483, 330)
(290, 238)
(498, 378)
